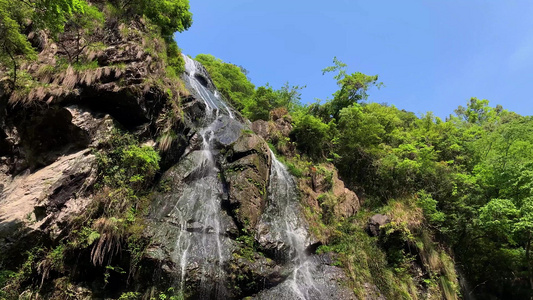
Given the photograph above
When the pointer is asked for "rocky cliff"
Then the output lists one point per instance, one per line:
(98, 168)
(125, 175)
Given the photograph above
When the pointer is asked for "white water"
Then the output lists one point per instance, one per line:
(198, 209)
(211, 100)
(286, 225)
(199, 242)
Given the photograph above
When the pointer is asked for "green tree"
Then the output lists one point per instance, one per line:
(513, 224)
(229, 80)
(170, 15)
(478, 111)
(353, 88)
(313, 137)
(13, 43)
(51, 15)
(267, 99)
(82, 25)
(54, 14)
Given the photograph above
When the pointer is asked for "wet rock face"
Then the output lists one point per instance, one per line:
(178, 214)
(257, 274)
(329, 284)
(346, 201)
(246, 173)
(193, 108)
(203, 77)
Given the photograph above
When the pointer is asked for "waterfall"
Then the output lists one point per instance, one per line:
(198, 210)
(212, 100)
(202, 245)
(283, 222)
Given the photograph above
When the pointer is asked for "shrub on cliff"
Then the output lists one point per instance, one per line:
(171, 15)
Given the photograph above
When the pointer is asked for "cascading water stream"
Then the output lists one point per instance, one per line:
(286, 225)
(199, 241)
(201, 244)
(211, 100)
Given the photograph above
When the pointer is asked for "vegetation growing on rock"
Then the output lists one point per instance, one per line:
(465, 177)
(456, 194)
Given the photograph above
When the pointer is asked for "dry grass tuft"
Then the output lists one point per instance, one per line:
(88, 77)
(110, 243)
(118, 72)
(107, 71)
(406, 212)
(166, 142)
(37, 94)
(70, 79)
(45, 73)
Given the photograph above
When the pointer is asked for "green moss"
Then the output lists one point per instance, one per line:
(80, 66)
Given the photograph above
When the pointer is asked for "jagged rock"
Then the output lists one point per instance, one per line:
(262, 128)
(46, 134)
(282, 121)
(375, 222)
(372, 292)
(130, 105)
(276, 130)
(5, 147)
(324, 282)
(246, 173)
(347, 201)
(37, 206)
(49, 147)
(227, 131)
(96, 125)
(37, 137)
(347, 205)
(50, 194)
(64, 289)
(45, 177)
(193, 108)
(324, 181)
(256, 274)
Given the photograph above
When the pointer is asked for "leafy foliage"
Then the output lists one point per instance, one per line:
(468, 180)
(353, 88)
(266, 99)
(229, 80)
(170, 15)
(235, 87)
(13, 43)
(313, 137)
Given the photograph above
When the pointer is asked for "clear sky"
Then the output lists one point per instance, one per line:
(431, 55)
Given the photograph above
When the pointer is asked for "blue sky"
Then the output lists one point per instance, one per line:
(431, 55)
